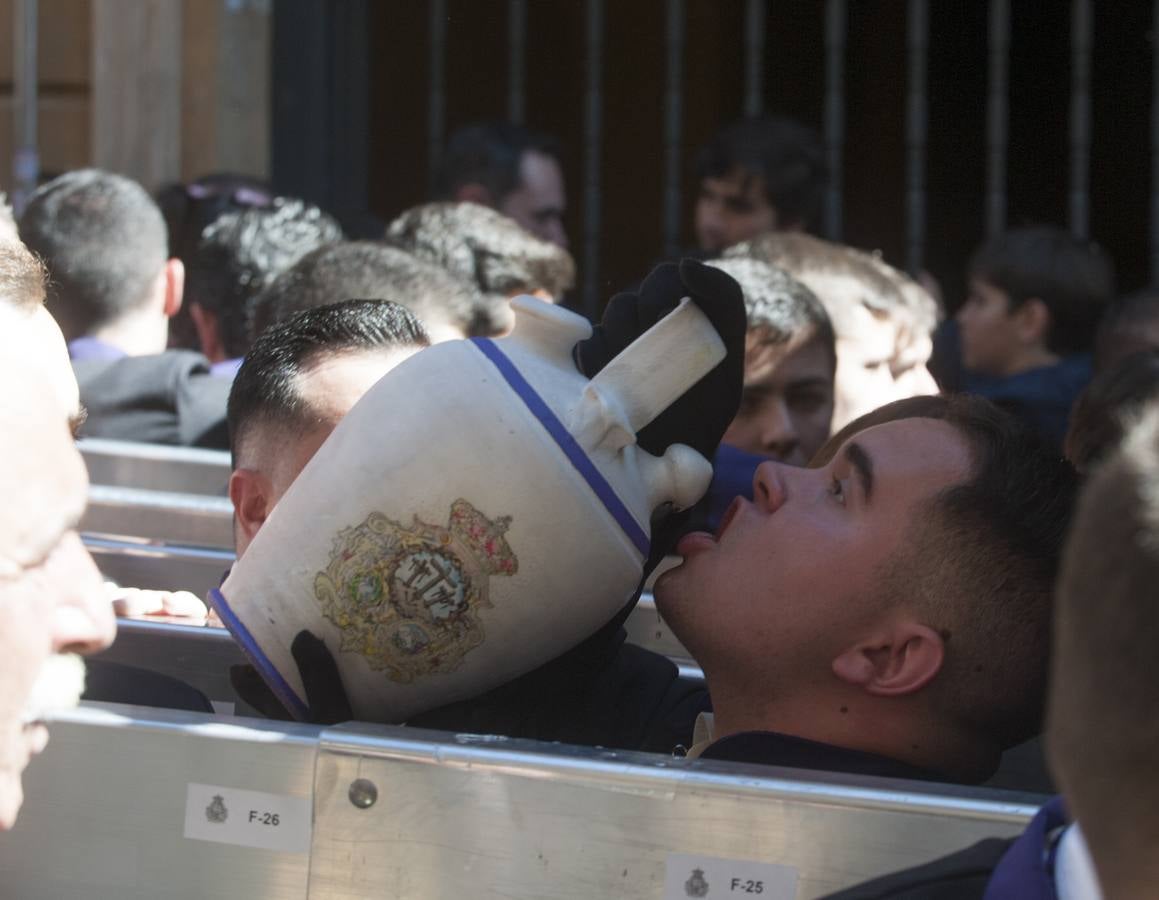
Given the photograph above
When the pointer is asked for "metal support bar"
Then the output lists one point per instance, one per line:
(516, 59)
(754, 57)
(836, 20)
(25, 158)
(1080, 117)
(437, 96)
(1155, 148)
(593, 140)
(917, 126)
(997, 115)
(673, 123)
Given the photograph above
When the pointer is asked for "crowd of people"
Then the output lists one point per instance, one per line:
(887, 576)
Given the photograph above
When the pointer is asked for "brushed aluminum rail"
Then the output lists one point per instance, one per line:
(397, 812)
(155, 467)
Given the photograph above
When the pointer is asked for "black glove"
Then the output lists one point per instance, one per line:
(325, 696)
(700, 417)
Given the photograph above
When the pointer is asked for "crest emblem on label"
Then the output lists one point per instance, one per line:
(697, 885)
(407, 599)
(216, 811)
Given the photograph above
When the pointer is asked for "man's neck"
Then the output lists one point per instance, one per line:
(1031, 358)
(136, 334)
(897, 729)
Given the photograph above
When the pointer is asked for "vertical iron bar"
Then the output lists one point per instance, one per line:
(25, 159)
(754, 57)
(917, 124)
(673, 121)
(516, 59)
(1155, 147)
(437, 96)
(1080, 117)
(835, 28)
(997, 116)
(593, 125)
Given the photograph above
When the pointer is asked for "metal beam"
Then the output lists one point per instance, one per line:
(516, 59)
(437, 87)
(1080, 117)
(25, 158)
(836, 19)
(754, 57)
(917, 126)
(997, 115)
(593, 139)
(673, 125)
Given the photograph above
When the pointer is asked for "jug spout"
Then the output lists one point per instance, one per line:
(680, 477)
(647, 377)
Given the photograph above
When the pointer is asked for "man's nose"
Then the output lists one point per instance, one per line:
(82, 616)
(769, 487)
(778, 435)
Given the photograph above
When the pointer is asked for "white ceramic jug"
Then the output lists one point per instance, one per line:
(482, 509)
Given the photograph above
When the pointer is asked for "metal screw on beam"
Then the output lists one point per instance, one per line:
(363, 793)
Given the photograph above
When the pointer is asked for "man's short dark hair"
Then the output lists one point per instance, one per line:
(265, 388)
(489, 154)
(486, 250)
(787, 156)
(982, 561)
(779, 309)
(1109, 406)
(1128, 325)
(104, 243)
(244, 251)
(1072, 277)
(365, 269)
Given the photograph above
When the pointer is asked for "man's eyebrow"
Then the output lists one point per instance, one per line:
(863, 465)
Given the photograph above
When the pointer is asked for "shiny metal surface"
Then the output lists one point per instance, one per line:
(136, 563)
(198, 655)
(105, 804)
(483, 817)
(159, 516)
(156, 467)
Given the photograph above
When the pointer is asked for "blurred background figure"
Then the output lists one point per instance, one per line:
(1129, 325)
(189, 208)
(238, 255)
(874, 326)
(1028, 325)
(510, 168)
(758, 175)
(367, 270)
(113, 288)
(487, 251)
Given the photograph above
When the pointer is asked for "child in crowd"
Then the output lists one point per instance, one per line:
(1036, 296)
(787, 401)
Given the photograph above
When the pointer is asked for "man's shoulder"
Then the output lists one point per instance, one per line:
(167, 398)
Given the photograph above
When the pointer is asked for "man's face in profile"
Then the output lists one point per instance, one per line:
(787, 401)
(793, 577)
(52, 601)
(539, 203)
(732, 208)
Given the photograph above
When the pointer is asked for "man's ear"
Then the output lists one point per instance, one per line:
(205, 323)
(1032, 319)
(174, 286)
(474, 193)
(250, 491)
(901, 659)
